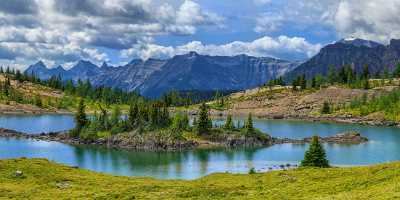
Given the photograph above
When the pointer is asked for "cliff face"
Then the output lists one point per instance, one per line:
(356, 53)
(197, 72)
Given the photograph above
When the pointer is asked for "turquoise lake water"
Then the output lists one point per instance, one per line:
(384, 146)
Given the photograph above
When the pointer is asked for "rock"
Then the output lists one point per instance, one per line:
(63, 185)
(19, 173)
(349, 137)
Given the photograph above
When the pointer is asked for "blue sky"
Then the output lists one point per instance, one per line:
(116, 31)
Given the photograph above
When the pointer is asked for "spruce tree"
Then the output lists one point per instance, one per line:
(313, 82)
(133, 115)
(80, 118)
(332, 75)
(396, 72)
(229, 123)
(203, 123)
(325, 108)
(302, 82)
(315, 156)
(249, 125)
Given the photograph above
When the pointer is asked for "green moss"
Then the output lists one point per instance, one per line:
(45, 180)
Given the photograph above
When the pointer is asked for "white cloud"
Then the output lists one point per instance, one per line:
(281, 47)
(375, 20)
(59, 31)
(368, 19)
(268, 22)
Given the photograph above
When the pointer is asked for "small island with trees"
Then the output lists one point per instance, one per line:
(150, 126)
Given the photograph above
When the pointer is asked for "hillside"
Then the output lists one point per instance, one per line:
(282, 102)
(25, 97)
(33, 98)
(42, 179)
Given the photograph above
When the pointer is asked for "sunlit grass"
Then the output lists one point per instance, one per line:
(45, 180)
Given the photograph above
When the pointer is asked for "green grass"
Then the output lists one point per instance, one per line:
(46, 180)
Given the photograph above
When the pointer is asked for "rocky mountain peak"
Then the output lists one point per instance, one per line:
(359, 42)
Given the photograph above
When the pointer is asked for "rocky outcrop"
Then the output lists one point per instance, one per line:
(350, 137)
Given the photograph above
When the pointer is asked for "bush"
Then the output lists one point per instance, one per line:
(252, 170)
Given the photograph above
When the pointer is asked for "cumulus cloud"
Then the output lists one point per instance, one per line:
(374, 20)
(280, 47)
(62, 30)
(368, 19)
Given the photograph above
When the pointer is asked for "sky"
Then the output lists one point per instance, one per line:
(61, 32)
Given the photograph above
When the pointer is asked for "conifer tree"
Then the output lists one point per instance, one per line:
(332, 75)
(396, 72)
(229, 123)
(365, 73)
(115, 116)
(80, 118)
(248, 126)
(203, 124)
(313, 82)
(315, 156)
(133, 115)
(325, 108)
(18, 76)
(302, 82)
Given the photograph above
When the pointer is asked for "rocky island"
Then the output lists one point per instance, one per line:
(156, 142)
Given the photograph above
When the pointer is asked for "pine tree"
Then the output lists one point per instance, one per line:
(203, 123)
(133, 115)
(386, 73)
(115, 116)
(332, 75)
(365, 73)
(396, 72)
(313, 82)
(315, 156)
(302, 82)
(80, 118)
(248, 126)
(18, 76)
(229, 123)
(326, 108)
(294, 85)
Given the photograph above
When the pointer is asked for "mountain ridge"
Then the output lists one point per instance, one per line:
(356, 53)
(191, 71)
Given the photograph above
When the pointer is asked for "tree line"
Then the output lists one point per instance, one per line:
(344, 75)
(80, 88)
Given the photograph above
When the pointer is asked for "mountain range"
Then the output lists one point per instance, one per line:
(192, 71)
(354, 52)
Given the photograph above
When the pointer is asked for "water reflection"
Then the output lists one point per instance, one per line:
(384, 146)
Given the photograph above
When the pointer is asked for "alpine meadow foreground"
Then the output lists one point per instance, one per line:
(41, 179)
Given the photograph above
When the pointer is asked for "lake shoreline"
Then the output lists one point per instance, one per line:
(343, 120)
(121, 141)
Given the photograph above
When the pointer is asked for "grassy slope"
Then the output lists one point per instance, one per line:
(46, 180)
(278, 101)
(49, 97)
